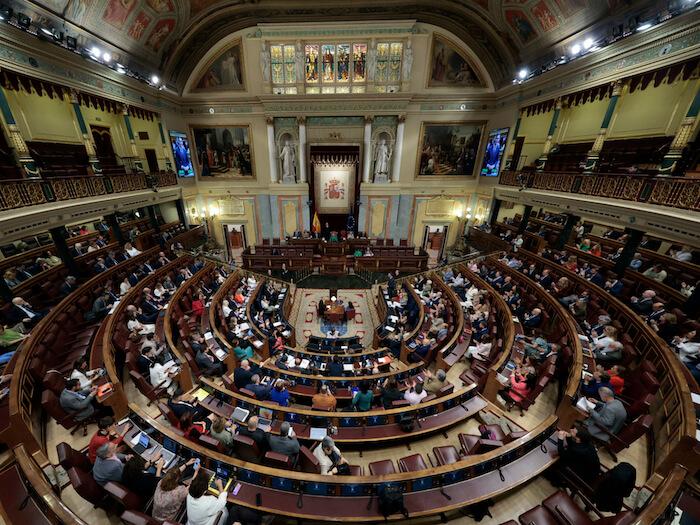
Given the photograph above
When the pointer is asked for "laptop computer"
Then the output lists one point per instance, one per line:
(142, 444)
(240, 414)
(222, 472)
(265, 419)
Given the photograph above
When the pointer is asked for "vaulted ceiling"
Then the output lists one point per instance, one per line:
(172, 35)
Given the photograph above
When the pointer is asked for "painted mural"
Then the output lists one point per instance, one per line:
(520, 25)
(117, 11)
(544, 16)
(160, 33)
(223, 151)
(448, 148)
(449, 66)
(225, 72)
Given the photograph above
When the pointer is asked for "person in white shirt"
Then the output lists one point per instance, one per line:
(329, 457)
(160, 377)
(683, 255)
(135, 325)
(125, 286)
(225, 308)
(129, 248)
(415, 394)
(82, 374)
(203, 508)
(481, 350)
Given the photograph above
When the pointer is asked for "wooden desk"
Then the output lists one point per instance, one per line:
(334, 313)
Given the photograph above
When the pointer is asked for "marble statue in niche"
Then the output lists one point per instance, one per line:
(382, 160)
(289, 162)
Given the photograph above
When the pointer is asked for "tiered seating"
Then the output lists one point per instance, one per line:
(568, 157)
(59, 160)
(644, 154)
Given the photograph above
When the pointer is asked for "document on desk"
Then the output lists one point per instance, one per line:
(585, 405)
(208, 335)
(348, 367)
(257, 343)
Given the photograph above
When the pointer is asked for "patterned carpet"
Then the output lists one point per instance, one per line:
(307, 322)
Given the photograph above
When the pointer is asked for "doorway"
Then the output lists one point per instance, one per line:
(152, 160)
(517, 150)
(103, 142)
(434, 242)
(236, 239)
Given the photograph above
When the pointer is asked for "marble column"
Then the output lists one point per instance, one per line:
(368, 150)
(166, 147)
(593, 156)
(398, 150)
(272, 149)
(15, 140)
(302, 149)
(542, 160)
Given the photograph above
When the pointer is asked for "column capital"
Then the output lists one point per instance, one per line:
(124, 109)
(617, 88)
(369, 119)
(73, 96)
(402, 118)
(301, 120)
(269, 120)
(558, 103)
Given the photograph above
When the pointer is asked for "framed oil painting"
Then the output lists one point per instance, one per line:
(225, 72)
(449, 66)
(224, 151)
(448, 148)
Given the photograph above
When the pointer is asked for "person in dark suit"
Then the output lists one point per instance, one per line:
(614, 286)
(597, 278)
(545, 280)
(68, 286)
(643, 305)
(335, 367)
(533, 319)
(111, 260)
(182, 404)
(22, 312)
(243, 375)
(577, 453)
(100, 265)
(101, 306)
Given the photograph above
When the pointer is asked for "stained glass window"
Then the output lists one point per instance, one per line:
(336, 67)
(359, 59)
(282, 65)
(343, 63)
(328, 52)
(387, 76)
(311, 61)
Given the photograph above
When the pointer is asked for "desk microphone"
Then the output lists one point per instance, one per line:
(464, 407)
(300, 497)
(418, 422)
(500, 473)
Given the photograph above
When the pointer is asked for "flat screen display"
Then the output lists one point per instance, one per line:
(181, 153)
(495, 146)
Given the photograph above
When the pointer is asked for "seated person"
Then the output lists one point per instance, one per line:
(244, 373)
(520, 384)
(208, 362)
(221, 431)
(170, 493)
(109, 465)
(106, 433)
(22, 312)
(644, 304)
(608, 416)
(329, 458)
(202, 506)
(434, 383)
(77, 402)
(286, 443)
(481, 349)
(324, 400)
(590, 385)
(617, 382)
(577, 453)
(84, 376)
(252, 431)
(415, 393)
(137, 475)
(184, 403)
(190, 428)
(261, 391)
(10, 339)
(362, 400)
(279, 394)
(242, 349)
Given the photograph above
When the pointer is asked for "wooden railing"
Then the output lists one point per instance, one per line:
(17, 193)
(674, 192)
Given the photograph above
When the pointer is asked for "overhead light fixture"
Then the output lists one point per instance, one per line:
(522, 74)
(587, 43)
(644, 26)
(106, 57)
(46, 31)
(155, 80)
(23, 21)
(121, 69)
(575, 49)
(95, 51)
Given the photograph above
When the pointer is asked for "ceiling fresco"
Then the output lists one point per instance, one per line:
(172, 35)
